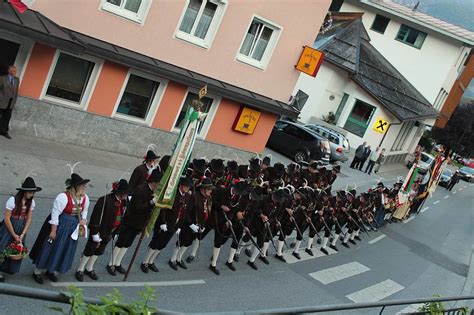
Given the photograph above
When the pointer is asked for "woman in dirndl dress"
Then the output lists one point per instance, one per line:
(18, 214)
(56, 243)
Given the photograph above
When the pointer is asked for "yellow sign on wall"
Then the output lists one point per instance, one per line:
(381, 125)
(310, 61)
(246, 120)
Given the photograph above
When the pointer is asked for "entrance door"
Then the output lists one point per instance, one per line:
(8, 54)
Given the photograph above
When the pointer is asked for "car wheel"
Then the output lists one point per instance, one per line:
(300, 156)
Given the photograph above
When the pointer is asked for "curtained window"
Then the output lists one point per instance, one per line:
(138, 97)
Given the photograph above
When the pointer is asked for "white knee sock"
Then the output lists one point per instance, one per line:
(215, 255)
(265, 248)
(280, 247)
(115, 253)
(195, 247)
(181, 252)
(175, 254)
(325, 242)
(82, 263)
(148, 255)
(255, 254)
(231, 255)
(310, 242)
(120, 256)
(353, 235)
(91, 262)
(334, 241)
(346, 238)
(297, 246)
(153, 257)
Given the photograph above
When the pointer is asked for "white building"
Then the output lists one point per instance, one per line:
(372, 72)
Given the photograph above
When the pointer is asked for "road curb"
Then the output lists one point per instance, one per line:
(468, 284)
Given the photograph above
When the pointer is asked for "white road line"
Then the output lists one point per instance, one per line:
(410, 309)
(304, 256)
(465, 186)
(409, 219)
(454, 192)
(334, 274)
(446, 197)
(376, 292)
(378, 238)
(436, 202)
(424, 209)
(460, 189)
(127, 284)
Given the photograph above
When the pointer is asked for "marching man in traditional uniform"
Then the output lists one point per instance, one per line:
(104, 224)
(135, 219)
(197, 214)
(18, 214)
(143, 171)
(169, 222)
(56, 243)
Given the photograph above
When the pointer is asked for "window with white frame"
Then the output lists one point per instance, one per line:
(140, 96)
(200, 21)
(209, 107)
(71, 79)
(134, 10)
(259, 43)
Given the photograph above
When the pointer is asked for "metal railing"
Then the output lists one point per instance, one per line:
(53, 296)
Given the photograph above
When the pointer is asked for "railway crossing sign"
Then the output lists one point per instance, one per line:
(381, 125)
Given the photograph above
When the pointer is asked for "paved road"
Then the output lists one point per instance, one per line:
(429, 254)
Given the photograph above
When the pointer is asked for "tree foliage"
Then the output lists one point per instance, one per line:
(458, 135)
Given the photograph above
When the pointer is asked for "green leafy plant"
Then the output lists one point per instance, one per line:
(112, 303)
(438, 308)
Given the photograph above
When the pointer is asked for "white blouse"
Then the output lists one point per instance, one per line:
(11, 204)
(60, 203)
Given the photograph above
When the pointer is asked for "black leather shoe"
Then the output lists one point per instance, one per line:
(182, 264)
(252, 264)
(296, 255)
(190, 259)
(111, 270)
(230, 265)
(236, 257)
(292, 245)
(153, 267)
(318, 241)
(345, 245)
(120, 269)
(6, 135)
(2, 278)
(91, 274)
(38, 278)
(51, 276)
(214, 270)
(358, 238)
(144, 267)
(353, 242)
(248, 252)
(280, 257)
(173, 265)
(79, 276)
(264, 259)
(309, 251)
(334, 247)
(324, 251)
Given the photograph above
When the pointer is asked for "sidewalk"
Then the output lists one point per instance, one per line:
(47, 161)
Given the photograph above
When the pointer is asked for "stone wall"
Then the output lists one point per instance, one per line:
(74, 126)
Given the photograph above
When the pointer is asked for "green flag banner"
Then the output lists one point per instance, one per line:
(182, 150)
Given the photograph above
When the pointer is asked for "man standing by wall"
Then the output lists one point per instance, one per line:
(373, 157)
(359, 153)
(365, 156)
(8, 93)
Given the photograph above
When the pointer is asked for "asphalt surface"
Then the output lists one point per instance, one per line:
(429, 254)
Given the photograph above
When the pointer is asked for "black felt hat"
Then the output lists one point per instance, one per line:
(279, 168)
(150, 156)
(199, 165)
(232, 166)
(256, 193)
(280, 195)
(120, 187)
(29, 185)
(206, 183)
(185, 181)
(254, 165)
(240, 187)
(217, 165)
(76, 180)
(266, 160)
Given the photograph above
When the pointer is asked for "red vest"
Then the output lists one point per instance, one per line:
(70, 208)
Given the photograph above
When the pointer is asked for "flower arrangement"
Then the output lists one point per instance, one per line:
(14, 251)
